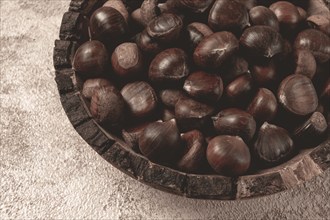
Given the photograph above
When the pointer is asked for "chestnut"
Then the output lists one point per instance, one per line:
(149, 10)
(108, 26)
(196, 6)
(233, 68)
(194, 155)
(228, 155)
(132, 134)
(262, 41)
(315, 41)
(297, 95)
(305, 63)
(108, 106)
(235, 122)
(161, 142)
(228, 15)
(191, 114)
(320, 22)
(165, 28)
(248, 3)
(141, 98)
(215, 49)
(136, 18)
(302, 13)
(195, 32)
(311, 132)
(260, 15)
(170, 97)
(91, 85)
(273, 145)
(127, 61)
(204, 86)
(325, 93)
(168, 115)
(147, 44)
(119, 6)
(169, 67)
(91, 59)
(263, 106)
(240, 90)
(287, 15)
(266, 74)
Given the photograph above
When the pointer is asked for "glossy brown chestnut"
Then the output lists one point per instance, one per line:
(196, 6)
(248, 3)
(161, 142)
(119, 6)
(228, 155)
(266, 74)
(287, 15)
(194, 156)
(91, 85)
(235, 122)
(325, 93)
(204, 86)
(195, 33)
(305, 63)
(215, 49)
(233, 68)
(260, 15)
(165, 28)
(147, 44)
(191, 115)
(132, 134)
(262, 41)
(108, 26)
(297, 95)
(136, 18)
(240, 90)
(264, 106)
(302, 13)
(311, 132)
(108, 106)
(228, 15)
(168, 115)
(273, 145)
(127, 61)
(149, 11)
(315, 41)
(140, 97)
(170, 97)
(320, 22)
(169, 67)
(91, 59)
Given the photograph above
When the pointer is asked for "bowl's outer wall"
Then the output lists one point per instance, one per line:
(303, 167)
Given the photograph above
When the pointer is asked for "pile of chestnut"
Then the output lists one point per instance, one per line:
(210, 86)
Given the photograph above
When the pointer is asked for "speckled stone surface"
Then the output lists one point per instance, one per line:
(48, 171)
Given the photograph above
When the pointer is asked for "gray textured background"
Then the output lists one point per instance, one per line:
(48, 171)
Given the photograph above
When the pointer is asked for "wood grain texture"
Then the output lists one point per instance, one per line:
(298, 170)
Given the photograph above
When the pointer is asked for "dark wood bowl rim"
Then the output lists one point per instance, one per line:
(303, 167)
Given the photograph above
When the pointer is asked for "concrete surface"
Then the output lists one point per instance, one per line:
(48, 171)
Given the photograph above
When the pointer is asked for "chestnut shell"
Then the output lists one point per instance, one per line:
(273, 145)
(228, 15)
(228, 155)
(262, 41)
(297, 95)
(108, 26)
(168, 67)
(215, 49)
(161, 142)
(91, 59)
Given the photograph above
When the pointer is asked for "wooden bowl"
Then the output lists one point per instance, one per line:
(306, 165)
